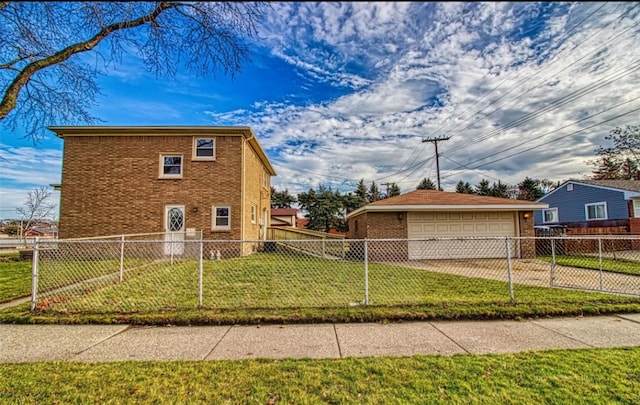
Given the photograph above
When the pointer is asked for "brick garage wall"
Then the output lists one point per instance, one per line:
(386, 225)
(111, 185)
(527, 246)
(634, 229)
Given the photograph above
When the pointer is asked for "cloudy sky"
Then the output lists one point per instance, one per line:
(338, 92)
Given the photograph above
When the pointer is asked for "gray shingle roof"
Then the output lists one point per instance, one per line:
(629, 185)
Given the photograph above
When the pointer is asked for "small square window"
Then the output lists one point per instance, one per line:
(569, 187)
(204, 149)
(221, 218)
(550, 215)
(171, 166)
(596, 211)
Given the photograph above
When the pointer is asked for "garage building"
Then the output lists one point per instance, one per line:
(445, 225)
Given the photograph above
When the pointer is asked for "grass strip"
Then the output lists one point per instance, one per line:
(596, 376)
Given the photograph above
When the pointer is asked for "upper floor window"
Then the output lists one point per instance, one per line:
(265, 179)
(550, 215)
(171, 166)
(204, 148)
(569, 187)
(596, 210)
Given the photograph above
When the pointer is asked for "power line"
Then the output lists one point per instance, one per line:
(513, 73)
(555, 140)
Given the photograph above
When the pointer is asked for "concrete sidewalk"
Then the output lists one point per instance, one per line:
(104, 343)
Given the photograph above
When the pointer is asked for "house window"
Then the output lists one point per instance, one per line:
(550, 215)
(265, 179)
(569, 187)
(171, 166)
(636, 208)
(204, 149)
(221, 218)
(253, 213)
(596, 211)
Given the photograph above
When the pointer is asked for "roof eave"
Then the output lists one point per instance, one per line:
(447, 207)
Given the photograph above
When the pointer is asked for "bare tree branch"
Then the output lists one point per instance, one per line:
(41, 44)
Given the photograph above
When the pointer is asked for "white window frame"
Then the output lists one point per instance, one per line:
(636, 208)
(214, 217)
(164, 175)
(254, 213)
(586, 211)
(195, 148)
(555, 215)
(265, 179)
(569, 187)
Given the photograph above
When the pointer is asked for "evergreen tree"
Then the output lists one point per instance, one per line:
(464, 188)
(426, 184)
(281, 199)
(529, 189)
(324, 208)
(374, 193)
(483, 187)
(500, 190)
(361, 193)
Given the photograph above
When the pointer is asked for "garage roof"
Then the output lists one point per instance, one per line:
(433, 200)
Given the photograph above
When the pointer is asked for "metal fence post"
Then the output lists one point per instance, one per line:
(600, 260)
(34, 275)
(509, 271)
(366, 273)
(121, 258)
(553, 262)
(171, 248)
(201, 248)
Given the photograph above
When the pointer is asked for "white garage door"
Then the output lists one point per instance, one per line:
(424, 225)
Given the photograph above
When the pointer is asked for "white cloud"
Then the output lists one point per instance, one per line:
(501, 80)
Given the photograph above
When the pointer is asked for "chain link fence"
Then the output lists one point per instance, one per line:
(163, 272)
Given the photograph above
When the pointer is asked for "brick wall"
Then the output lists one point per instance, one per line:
(111, 185)
(527, 247)
(256, 194)
(380, 225)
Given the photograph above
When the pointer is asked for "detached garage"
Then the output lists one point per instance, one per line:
(452, 218)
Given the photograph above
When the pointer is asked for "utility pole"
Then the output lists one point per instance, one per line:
(386, 184)
(435, 143)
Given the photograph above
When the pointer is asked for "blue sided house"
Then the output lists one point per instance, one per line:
(592, 204)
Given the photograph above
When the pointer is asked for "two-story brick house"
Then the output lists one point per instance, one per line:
(143, 179)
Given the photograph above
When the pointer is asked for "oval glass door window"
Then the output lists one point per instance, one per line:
(176, 219)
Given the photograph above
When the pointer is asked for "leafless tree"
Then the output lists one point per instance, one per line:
(46, 77)
(36, 209)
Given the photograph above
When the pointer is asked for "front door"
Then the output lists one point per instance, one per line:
(174, 230)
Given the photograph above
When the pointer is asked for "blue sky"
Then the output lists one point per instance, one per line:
(338, 92)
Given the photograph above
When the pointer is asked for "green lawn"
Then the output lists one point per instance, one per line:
(15, 277)
(622, 266)
(272, 287)
(594, 376)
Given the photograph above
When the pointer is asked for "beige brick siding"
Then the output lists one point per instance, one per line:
(111, 185)
(256, 194)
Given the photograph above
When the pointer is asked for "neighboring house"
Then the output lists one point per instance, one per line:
(284, 217)
(591, 205)
(178, 180)
(424, 214)
(41, 232)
